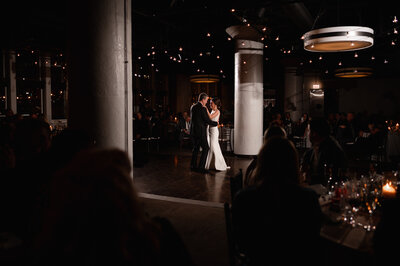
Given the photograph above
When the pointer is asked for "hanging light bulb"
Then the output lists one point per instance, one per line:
(355, 55)
(395, 19)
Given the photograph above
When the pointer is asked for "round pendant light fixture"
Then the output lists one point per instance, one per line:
(338, 39)
(204, 79)
(353, 72)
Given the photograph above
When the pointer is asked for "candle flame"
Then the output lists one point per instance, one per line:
(388, 187)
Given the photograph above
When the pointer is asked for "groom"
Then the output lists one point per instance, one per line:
(198, 132)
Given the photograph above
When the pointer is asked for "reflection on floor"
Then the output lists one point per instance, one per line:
(167, 173)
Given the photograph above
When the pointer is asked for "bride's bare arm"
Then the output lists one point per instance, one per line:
(213, 115)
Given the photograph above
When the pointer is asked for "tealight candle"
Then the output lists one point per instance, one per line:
(388, 191)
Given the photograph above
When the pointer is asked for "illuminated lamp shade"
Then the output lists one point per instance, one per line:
(338, 39)
(204, 79)
(353, 72)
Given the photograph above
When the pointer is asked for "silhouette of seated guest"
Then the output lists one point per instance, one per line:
(94, 217)
(31, 143)
(272, 130)
(184, 127)
(325, 153)
(277, 221)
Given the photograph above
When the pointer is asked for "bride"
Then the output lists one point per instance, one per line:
(215, 159)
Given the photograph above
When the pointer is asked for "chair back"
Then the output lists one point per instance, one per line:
(236, 258)
(229, 233)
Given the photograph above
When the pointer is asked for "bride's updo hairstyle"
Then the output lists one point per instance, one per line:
(217, 102)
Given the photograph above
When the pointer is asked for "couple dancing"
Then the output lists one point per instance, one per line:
(204, 133)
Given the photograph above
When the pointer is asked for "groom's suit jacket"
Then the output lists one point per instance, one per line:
(199, 120)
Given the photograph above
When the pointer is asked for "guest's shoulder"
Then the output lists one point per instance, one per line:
(246, 194)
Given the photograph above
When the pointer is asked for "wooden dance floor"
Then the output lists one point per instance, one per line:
(167, 173)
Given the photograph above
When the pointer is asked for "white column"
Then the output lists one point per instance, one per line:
(249, 98)
(45, 69)
(11, 90)
(100, 71)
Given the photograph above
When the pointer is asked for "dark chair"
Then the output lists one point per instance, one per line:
(225, 134)
(185, 140)
(236, 183)
(235, 257)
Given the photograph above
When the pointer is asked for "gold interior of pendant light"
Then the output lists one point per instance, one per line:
(353, 72)
(204, 79)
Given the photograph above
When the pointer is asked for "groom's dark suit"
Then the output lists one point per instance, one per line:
(198, 131)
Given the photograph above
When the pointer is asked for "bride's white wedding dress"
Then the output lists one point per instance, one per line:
(215, 159)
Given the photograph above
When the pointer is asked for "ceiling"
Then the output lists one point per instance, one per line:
(198, 28)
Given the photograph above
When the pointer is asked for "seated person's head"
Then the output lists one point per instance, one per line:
(32, 138)
(274, 130)
(277, 162)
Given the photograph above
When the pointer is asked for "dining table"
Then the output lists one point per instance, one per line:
(343, 226)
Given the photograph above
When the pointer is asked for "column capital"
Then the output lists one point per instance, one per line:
(243, 32)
